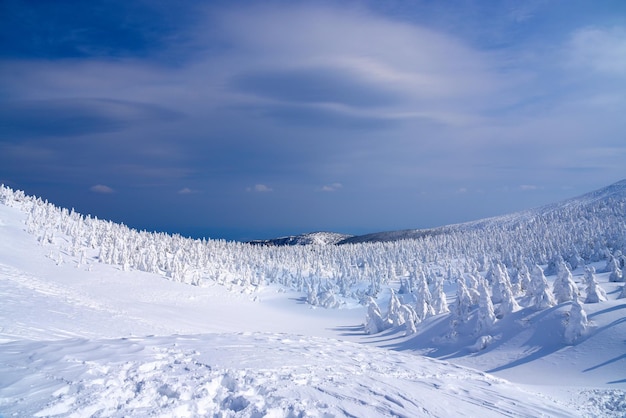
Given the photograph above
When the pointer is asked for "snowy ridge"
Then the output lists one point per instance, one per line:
(312, 238)
(612, 195)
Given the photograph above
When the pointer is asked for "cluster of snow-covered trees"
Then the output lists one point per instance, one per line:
(494, 263)
(482, 299)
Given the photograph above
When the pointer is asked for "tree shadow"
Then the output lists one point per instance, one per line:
(536, 355)
(612, 382)
(613, 360)
(349, 330)
(607, 310)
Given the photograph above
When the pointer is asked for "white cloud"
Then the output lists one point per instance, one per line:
(331, 187)
(101, 188)
(430, 72)
(187, 190)
(527, 187)
(260, 188)
(603, 50)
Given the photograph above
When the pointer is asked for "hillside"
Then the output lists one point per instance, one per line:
(614, 195)
(98, 319)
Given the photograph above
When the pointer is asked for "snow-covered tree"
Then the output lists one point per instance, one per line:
(553, 266)
(622, 294)
(575, 260)
(615, 273)
(576, 322)
(463, 302)
(508, 304)
(472, 282)
(541, 296)
(523, 277)
(502, 291)
(495, 277)
(564, 287)
(423, 307)
(410, 319)
(595, 293)
(439, 302)
(486, 316)
(374, 322)
(393, 314)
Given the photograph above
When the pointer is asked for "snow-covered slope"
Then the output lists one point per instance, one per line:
(92, 340)
(81, 337)
(613, 195)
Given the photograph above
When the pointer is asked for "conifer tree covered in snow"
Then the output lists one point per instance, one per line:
(595, 293)
(394, 317)
(541, 296)
(410, 319)
(463, 303)
(423, 307)
(576, 322)
(501, 286)
(374, 322)
(508, 304)
(495, 277)
(622, 294)
(523, 277)
(564, 287)
(439, 302)
(615, 273)
(486, 316)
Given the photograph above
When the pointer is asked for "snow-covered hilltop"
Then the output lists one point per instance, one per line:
(536, 297)
(312, 238)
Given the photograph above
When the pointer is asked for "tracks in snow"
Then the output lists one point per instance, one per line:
(246, 375)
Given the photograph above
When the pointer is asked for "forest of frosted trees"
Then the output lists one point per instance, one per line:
(494, 264)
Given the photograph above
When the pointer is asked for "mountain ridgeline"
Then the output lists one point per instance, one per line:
(597, 202)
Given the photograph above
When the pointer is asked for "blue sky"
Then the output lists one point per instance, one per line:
(244, 120)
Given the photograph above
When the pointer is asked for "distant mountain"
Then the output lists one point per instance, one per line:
(615, 193)
(608, 195)
(312, 238)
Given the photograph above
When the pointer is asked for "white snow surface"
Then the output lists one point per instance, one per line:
(82, 340)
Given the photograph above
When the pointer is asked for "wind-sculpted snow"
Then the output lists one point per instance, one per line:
(247, 375)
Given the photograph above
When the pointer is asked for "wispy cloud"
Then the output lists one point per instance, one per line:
(331, 187)
(260, 188)
(101, 188)
(600, 49)
(187, 190)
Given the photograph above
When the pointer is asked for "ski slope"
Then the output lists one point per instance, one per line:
(89, 339)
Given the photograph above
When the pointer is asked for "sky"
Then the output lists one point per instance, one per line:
(257, 119)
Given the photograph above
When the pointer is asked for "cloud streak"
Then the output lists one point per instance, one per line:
(102, 189)
(260, 188)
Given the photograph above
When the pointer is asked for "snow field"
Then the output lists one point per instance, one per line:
(247, 375)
